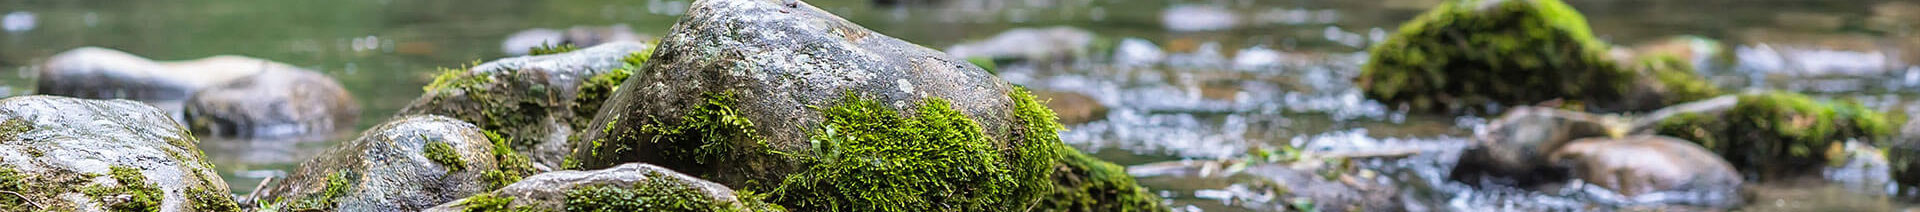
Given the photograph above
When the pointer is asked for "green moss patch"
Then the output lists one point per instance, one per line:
(10, 129)
(133, 193)
(658, 192)
(1512, 52)
(209, 200)
(1085, 183)
(548, 48)
(870, 158)
(706, 134)
(338, 184)
(1677, 79)
(487, 202)
(596, 90)
(442, 153)
(511, 165)
(1779, 133)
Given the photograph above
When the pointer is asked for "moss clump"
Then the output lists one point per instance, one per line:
(1677, 79)
(596, 90)
(1085, 183)
(1781, 134)
(658, 192)
(209, 200)
(338, 184)
(133, 193)
(487, 202)
(442, 153)
(11, 180)
(1472, 52)
(1040, 130)
(511, 165)
(706, 134)
(870, 158)
(11, 128)
(548, 48)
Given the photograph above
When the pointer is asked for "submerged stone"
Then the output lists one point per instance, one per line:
(273, 103)
(1513, 150)
(242, 95)
(1778, 134)
(1648, 169)
(1470, 53)
(627, 187)
(392, 167)
(68, 154)
(822, 114)
(536, 103)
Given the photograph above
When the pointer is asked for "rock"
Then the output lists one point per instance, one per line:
(535, 102)
(273, 103)
(822, 114)
(1084, 183)
(100, 73)
(1073, 108)
(1513, 149)
(229, 95)
(627, 187)
(1507, 52)
(1777, 134)
(408, 164)
(521, 42)
(1138, 52)
(1638, 167)
(68, 154)
(1060, 43)
(1904, 157)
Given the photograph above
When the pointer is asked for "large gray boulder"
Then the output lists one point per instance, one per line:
(68, 154)
(610, 189)
(536, 103)
(408, 164)
(1647, 169)
(231, 95)
(822, 114)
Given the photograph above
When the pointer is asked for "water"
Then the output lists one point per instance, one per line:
(1196, 80)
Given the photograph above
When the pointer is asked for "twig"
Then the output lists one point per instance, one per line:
(24, 198)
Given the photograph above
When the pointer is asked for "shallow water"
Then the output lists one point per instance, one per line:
(1235, 74)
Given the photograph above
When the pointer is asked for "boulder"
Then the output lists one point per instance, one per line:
(1638, 167)
(408, 164)
(523, 42)
(1513, 149)
(822, 114)
(1778, 134)
(1073, 108)
(273, 103)
(68, 154)
(250, 96)
(627, 187)
(1060, 43)
(535, 102)
(1467, 53)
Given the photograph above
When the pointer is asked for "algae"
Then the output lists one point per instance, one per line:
(442, 153)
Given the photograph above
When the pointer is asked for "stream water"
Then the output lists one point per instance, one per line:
(1189, 81)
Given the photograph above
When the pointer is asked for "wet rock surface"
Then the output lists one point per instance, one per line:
(227, 95)
(825, 115)
(537, 103)
(1653, 170)
(273, 103)
(410, 163)
(1514, 149)
(69, 154)
(637, 187)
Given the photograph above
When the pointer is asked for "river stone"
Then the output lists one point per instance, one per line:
(1058, 43)
(562, 189)
(101, 73)
(408, 164)
(69, 154)
(749, 94)
(535, 102)
(273, 103)
(521, 43)
(1512, 150)
(1635, 167)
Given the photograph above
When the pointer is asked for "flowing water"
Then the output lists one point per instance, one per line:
(1193, 81)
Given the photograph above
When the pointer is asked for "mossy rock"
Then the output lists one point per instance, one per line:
(1084, 183)
(537, 102)
(1778, 134)
(408, 164)
(67, 154)
(627, 187)
(822, 114)
(1469, 53)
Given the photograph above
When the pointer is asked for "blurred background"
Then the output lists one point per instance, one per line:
(1137, 82)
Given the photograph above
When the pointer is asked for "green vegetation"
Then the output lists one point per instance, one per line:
(1677, 79)
(133, 194)
(1513, 52)
(596, 90)
(870, 158)
(1779, 133)
(10, 128)
(548, 48)
(442, 153)
(706, 134)
(511, 165)
(1085, 183)
(488, 202)
(338, 184)
(209, 200)
(658, 192)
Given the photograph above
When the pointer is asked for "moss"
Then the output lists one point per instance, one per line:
(1037, 153)
(985, 63)
(870, 158)
(493, 203)
(511, 165)
(11, 128)
(455, 79)
(442, 153)
(548, 48)
(1512, 52)
(11, 180)
(209, 200)
(1779, 133)
(658, 192)
(596, 90)
(1677, 78)
(706, 134)
(1085, 183)
(338, 185)
(132, 194)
